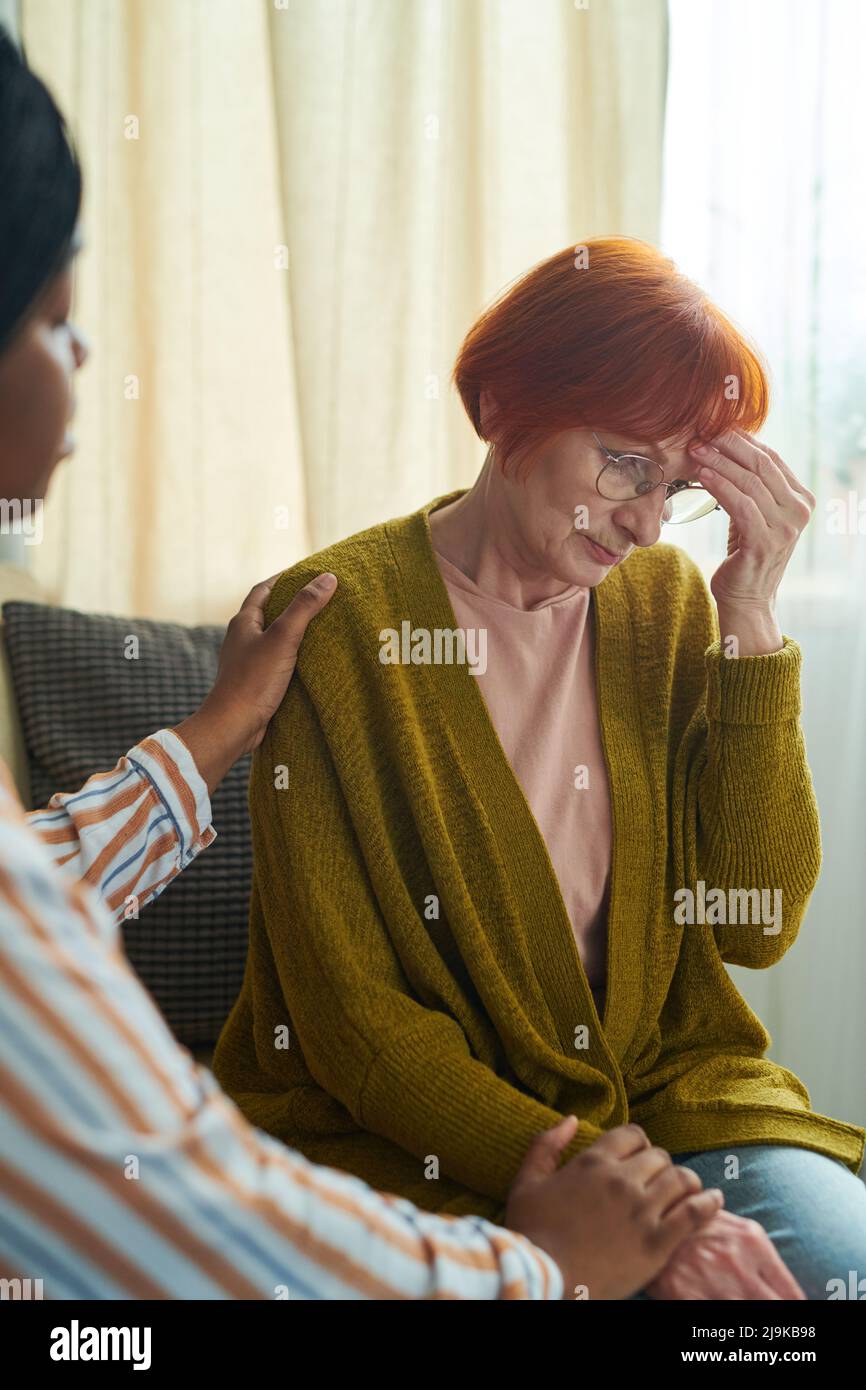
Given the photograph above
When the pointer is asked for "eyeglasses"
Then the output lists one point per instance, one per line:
(632, 475)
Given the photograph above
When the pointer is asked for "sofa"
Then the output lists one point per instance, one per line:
(70, 705)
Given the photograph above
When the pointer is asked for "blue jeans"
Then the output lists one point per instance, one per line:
(812, 1207)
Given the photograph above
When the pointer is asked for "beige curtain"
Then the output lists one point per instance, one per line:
(293, 213)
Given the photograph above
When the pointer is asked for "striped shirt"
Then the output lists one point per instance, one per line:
(125, 1172)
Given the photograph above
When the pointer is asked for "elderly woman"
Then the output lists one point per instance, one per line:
(534, 786)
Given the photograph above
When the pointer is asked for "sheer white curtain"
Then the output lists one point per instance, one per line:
(764, 204)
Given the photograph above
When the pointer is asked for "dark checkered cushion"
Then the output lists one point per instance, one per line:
(82, 705)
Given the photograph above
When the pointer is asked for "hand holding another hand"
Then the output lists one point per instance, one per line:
(613, 1215)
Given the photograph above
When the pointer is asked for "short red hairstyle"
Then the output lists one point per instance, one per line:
(608, 333)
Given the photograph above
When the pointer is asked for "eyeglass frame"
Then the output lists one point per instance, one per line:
(682, 485)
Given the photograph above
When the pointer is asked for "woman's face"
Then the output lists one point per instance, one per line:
(556, 512)
(36, 395)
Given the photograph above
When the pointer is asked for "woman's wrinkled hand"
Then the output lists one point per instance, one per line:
(768, 509)
(732, 1257)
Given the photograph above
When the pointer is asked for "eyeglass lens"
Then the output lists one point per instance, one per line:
(631, 475)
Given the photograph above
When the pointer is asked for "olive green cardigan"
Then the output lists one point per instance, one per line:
(423, 1052)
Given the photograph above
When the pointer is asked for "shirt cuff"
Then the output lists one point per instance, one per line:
(555, 1288)
(171, 769)
(525, 1260)
(754, 689)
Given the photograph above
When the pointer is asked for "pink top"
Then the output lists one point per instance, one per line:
(539, 687)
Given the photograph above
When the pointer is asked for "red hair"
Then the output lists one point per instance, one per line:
(608, 334)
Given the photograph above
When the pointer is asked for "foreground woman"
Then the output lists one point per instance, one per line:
(498, 875)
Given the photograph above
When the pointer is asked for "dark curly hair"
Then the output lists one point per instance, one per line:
(40, 189)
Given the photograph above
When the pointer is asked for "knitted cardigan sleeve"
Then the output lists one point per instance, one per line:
(744, 808)
(401, 1067)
